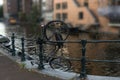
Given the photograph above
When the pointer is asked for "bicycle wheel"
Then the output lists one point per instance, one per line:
(60, 63)
(56, 27)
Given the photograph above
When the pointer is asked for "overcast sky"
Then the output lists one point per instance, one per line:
(1, 2)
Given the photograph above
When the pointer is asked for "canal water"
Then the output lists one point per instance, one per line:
(100, 51)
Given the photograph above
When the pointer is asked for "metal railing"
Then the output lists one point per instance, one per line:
(83, 60)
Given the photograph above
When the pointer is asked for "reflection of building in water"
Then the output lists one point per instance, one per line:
(89, 14)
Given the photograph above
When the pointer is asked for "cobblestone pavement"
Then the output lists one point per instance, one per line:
(10, 70)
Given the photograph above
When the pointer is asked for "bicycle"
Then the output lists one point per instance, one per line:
(57, 29)
(54, 31)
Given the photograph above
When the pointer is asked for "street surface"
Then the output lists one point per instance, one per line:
(10, 70)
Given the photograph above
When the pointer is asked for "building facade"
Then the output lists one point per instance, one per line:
(88, 14)
(13, 7)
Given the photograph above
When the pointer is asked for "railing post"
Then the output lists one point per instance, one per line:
(40, 42)
(83, 74)
(23, 50)
(13, 44)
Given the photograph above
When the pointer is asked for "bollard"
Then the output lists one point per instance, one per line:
(23, 50)
(83, 74)
(13, 44)
(40, 42)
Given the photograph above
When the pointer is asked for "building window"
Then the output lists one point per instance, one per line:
(86, 3)
(64, 5)
(58, 6)
(80, 15)
(64, 16)
(58, 16)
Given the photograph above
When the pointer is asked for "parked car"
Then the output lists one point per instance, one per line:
(5, 41)
(12, 20)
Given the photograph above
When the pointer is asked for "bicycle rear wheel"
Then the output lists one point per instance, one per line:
(60, 63)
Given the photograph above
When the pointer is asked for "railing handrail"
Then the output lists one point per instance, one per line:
(88, 41)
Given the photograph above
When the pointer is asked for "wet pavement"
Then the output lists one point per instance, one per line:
(10, 70)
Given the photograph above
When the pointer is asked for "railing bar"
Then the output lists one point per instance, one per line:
(110, 61)
(30, 39)
(103, 41)
(72, 41)
(73, 59)
(88, 41)
(5, 47)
